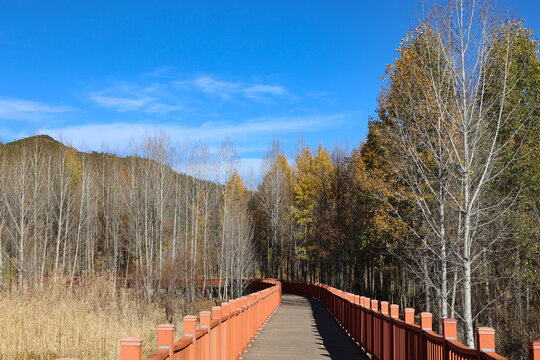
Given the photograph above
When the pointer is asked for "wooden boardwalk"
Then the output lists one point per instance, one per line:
(302, 328)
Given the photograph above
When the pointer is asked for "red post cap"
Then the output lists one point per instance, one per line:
(426, 320)
(485, 339)
(409, 316)
(450, 329)
(384, 307)
(394, 311)
(225, 308)
(204, 317)
(190, 325)
(165, 335)
(216, 312)
(131, 348)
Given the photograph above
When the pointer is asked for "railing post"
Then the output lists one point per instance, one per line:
(257, 312)
(409, 319)
(204, 317)
(253, 316)
(534, 350)
(347, 313)
(226, 332)
(351, 314)
(449, 333)
(426, 325)
(394, 314)
(254, 307)
(239, 328)
(376, 327)
(386, 343)
(249, 306)
(244, 341)
(340, 307)
(131, 348)
(165, 337)
(250, 320)
(485, 339)
(366, 324)
(190, 329)
(216, 315)
(357, 311)
(233, 331)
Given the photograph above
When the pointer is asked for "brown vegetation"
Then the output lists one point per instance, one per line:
(86, 321)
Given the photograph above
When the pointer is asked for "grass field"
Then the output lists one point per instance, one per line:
(85, 322)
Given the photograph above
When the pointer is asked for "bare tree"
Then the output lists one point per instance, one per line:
(450, 121)
(16, 196)
(274, 195)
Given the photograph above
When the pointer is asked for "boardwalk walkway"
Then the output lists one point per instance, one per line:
(302, 328)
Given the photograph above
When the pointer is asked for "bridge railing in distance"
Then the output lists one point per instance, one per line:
(223, 334)
(385, 336)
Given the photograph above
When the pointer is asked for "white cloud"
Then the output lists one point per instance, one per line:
(250, 138)
(173, 95)
(211, 86)
(17, 109)
(121, 104)
(245, 134)
(259, 90)
(227, 89)
(154, 98)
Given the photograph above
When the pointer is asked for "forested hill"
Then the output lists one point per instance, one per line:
(133, 217)
(47, 143)
(46, 139)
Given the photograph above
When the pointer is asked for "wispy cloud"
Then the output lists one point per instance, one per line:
(121, 104)
(209, 85)
(175, 95)
(17, 109)
(154, 98)
(244, 134)
(228, 89)
(259, 90)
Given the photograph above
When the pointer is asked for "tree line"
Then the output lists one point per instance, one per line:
(438, 208)
(132, 217)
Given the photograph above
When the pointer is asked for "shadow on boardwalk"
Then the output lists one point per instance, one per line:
(302, 328)
(334, 339)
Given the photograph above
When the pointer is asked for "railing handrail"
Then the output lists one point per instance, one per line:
(224, 337)
(360, 317)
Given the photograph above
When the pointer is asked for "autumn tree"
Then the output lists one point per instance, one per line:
(450, 110)
(275, 197)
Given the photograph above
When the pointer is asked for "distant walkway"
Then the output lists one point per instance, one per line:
(302, 328)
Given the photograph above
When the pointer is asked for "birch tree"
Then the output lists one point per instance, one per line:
(275, 196)
(451, 135)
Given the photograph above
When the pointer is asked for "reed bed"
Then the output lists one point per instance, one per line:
(85, 321)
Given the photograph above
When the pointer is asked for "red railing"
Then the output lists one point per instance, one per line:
(384, 336)
(223, 334)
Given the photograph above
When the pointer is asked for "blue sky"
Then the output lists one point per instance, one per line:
(111, 71)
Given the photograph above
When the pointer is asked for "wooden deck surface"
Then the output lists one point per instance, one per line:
(302, 328)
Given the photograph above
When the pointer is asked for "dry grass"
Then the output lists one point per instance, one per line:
(84, 322)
